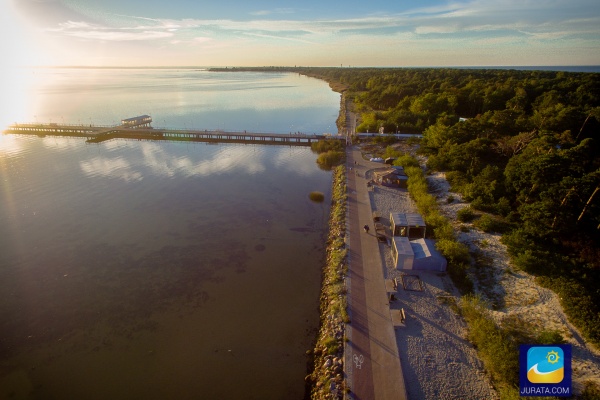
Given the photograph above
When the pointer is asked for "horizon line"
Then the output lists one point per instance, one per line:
(301, 66)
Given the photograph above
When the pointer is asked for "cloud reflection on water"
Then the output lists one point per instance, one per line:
(224, 159)
(131, 161)
(159, 160)
(110, 167)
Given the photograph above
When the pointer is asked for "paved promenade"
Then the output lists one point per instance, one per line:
(371, 358)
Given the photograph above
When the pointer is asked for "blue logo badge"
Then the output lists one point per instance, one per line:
(545, 370)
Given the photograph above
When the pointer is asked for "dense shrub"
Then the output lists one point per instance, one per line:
(489, 223)
(440, 226)
(457, 255)
(549, 337)
(323, 146)
(406, 161)
(457, 180)
(330, 159)
(390, 151)
(501, 206)
(465, 214)
(455, 252)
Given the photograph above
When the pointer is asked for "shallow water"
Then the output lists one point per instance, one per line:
(135, 269)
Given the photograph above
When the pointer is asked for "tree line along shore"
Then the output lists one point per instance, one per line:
(522, 147)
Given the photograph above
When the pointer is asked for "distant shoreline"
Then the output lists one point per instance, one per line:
(545, 68)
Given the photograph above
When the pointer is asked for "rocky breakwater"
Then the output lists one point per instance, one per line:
(326, 381)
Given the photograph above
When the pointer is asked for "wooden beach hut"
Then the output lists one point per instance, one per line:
(392, 177)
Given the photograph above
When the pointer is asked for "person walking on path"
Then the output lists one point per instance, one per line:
(366, 228)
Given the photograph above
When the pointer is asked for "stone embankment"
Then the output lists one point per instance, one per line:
(326, 381)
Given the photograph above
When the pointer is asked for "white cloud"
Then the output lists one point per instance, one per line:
(275, 11)
(424, 30)
(535, 17)
(266, 37)
(84, 30)
(292, 39)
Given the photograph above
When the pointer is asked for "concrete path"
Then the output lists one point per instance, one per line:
(372, 361)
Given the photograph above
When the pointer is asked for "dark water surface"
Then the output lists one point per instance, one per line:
(145, 270)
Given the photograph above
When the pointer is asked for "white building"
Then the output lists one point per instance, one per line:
(419, 254)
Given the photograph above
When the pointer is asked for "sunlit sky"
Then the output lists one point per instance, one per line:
(308, 32)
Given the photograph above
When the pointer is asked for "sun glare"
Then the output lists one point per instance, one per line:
(19, 51)
(9, 144)
(16, 107)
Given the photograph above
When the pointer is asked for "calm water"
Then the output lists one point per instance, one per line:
(145, 270)
(184, 98)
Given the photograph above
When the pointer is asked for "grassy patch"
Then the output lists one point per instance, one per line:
(495, 348)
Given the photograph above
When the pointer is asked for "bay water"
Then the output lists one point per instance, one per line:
(152, 270)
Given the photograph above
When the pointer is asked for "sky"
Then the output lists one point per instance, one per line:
(398, 33)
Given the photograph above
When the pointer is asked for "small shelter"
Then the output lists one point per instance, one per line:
(137, 122)
(402, 253)
(410, 225)
(393, 177)
(419, 254)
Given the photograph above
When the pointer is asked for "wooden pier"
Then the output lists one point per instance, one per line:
(98, 134)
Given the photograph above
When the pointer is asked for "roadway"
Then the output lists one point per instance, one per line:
(372, 362)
